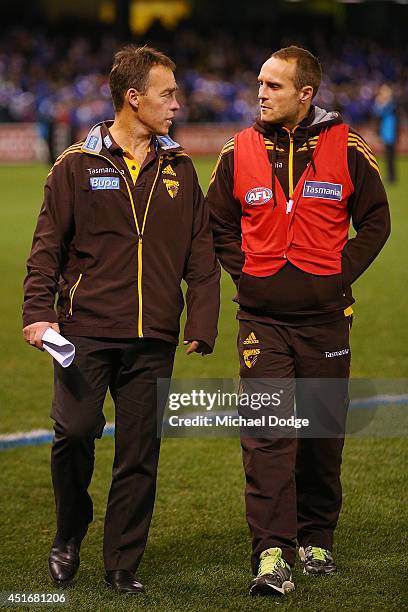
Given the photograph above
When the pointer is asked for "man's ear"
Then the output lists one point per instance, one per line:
(132, 96)
(306, 93)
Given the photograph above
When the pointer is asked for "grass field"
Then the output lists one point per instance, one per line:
(198, 552)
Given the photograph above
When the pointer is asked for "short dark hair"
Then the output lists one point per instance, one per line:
(131, 67)
(308, 67)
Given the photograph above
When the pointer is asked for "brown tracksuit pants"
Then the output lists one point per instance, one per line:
(129, 368)
(293, 490)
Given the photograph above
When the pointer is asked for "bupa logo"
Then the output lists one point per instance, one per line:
(104, 182)
(258, 196)
(326, 191)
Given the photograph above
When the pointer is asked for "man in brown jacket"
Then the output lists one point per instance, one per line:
(281, 200)
(123, 222)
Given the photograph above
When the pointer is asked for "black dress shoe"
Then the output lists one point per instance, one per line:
(63, 561)
(123, 581)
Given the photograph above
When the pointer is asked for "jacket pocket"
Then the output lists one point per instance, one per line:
(342, 285)
(248, 291)
(72, 292)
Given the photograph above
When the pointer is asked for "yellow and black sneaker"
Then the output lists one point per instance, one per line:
(317, 561)
(274, 575)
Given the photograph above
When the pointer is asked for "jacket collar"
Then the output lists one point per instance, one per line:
(99, 138)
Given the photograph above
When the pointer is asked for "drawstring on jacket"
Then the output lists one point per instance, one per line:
(309, 151)
(275, 145)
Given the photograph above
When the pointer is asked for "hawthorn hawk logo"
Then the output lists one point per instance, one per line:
(172, 187)
(251, 357)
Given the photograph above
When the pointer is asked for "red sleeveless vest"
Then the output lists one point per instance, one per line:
(311, 230)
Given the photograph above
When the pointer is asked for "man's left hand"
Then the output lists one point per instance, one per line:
(196, 346)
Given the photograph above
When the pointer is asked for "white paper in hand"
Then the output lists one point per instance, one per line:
(58, 347)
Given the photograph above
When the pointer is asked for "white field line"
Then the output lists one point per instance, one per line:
(41, 436)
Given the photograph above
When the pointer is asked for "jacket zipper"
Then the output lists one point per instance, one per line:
(290, 161)
(289, 203)
(139, 234)
(291, 189)
(139, 254)
(72, 293)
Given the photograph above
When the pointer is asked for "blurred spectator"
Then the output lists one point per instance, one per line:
(386, 110)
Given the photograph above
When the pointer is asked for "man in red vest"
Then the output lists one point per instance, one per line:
(281, 199)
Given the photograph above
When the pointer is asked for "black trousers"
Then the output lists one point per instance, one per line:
(293, 489)
(129, 368)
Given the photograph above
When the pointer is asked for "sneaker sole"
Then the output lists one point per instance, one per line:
(266, 590)
(324, 572)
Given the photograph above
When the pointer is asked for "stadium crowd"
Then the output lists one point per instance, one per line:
(46, 77)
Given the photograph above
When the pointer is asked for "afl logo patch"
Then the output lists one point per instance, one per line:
(258, 196)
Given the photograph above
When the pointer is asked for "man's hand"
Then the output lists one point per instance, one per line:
(196, 346)
(34, 332)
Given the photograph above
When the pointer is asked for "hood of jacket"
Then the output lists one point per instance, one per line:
(316, 120)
